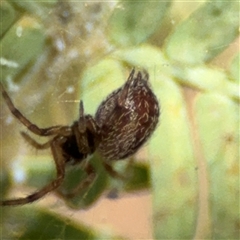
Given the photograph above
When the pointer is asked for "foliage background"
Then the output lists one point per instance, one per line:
(55, 52)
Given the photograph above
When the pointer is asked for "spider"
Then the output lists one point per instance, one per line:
(122, 124)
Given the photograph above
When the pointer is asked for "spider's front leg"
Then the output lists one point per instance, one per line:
(87, 132)
(60, 167)
(83, 142)
(88, 135)
(84, 184)
(32, 127)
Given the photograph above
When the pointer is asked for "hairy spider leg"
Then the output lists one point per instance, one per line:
(34, 143)
(91, 175)
(82, 120)
(60, 166)
(79, 130)
(113, 173)
(86, 125)
(88, 168)
(32, 127)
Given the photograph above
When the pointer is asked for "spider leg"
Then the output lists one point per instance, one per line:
(60, 167)
(32, 127)
(86, 132)
(113, 173)
(34, 143)
(91, 175)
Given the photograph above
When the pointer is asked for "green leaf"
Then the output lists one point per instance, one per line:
(100, 80)
(218, 121)
(87, 196)
(37, 170)
(173, 167)
(145, 56)
(208, 79)
(4, 183)
(138, 177)
(200, 37)
(22, 43)
(8, 16)
(39, 223)
(235, 68)
(132, 22)
(39, 8)
(36, 223)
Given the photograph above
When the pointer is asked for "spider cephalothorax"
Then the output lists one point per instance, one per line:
(122, 124)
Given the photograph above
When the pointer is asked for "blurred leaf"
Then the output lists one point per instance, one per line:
(100, 80)
(138, 177)
(218, 121)
(208, 79)
(38, 170)
(91, 193)
(35, 223)
(173, 173)
(8, 16)
(144, 56)
(4, 183)
(200, 77)
(39, 223)
(235, 68)
(36, 7)
(200, 37)
(22, 43)
(132, 22)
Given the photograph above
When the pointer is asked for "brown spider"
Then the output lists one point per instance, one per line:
(122, 124)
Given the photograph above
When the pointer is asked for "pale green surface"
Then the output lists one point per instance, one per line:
(39, 8)
(209, 79)
(174, 176)
(205, 34)
(20, 45)
(39, 223)
(144, 56)
(218, 124)
(8, 15)
(99, 81)
(235, 68)
(132, 22)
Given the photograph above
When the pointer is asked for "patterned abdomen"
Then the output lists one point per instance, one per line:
(127, 118)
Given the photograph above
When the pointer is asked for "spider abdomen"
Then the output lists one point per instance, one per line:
(127, 118)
